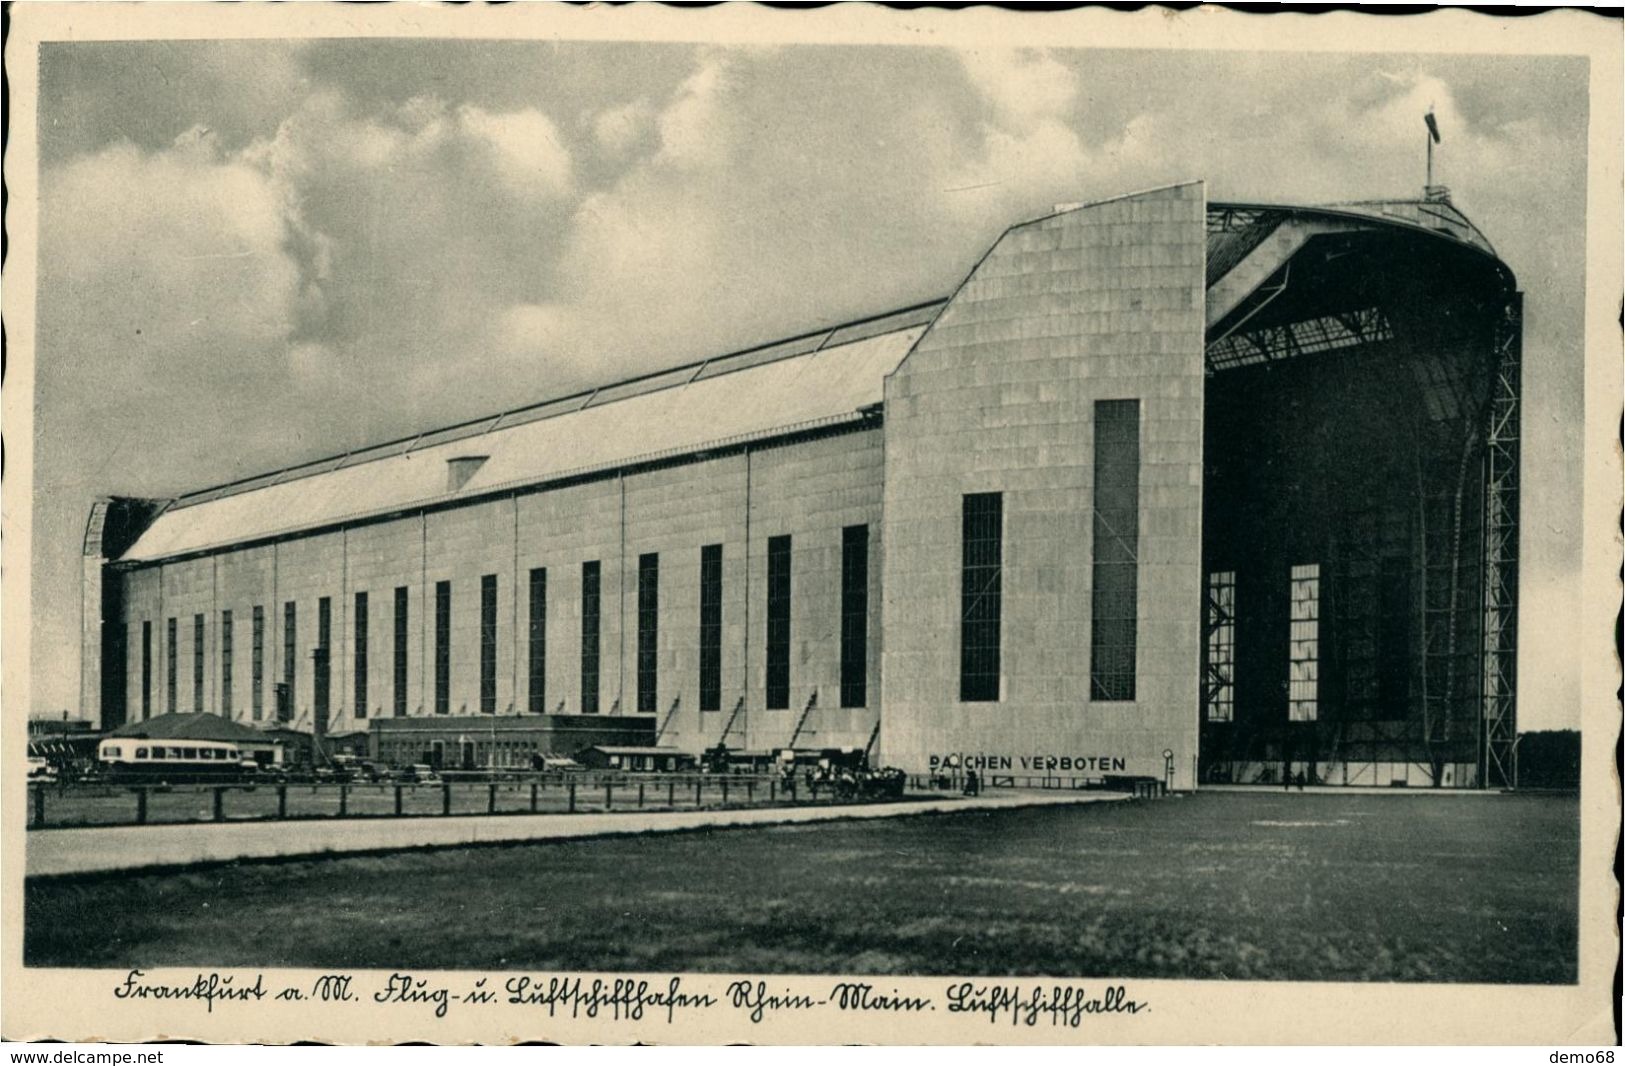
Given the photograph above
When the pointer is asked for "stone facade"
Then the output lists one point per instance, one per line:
(1103, 302)
(809, 489)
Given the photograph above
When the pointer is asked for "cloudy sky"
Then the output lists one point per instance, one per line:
(253, 253)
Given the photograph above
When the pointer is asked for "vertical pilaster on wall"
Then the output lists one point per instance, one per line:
(92, 634)
(620, 605)
(105, 623)
(213, 622)
(516, 701)
(274, 616)
(743, 707)
(346, 667)
(1501, 501)
(159, 650)
(425, 619)
(273, 613)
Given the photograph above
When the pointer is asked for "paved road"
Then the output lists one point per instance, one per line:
(1354, 790)
(110, 848)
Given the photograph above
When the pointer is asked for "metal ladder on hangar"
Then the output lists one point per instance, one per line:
(739, 708)
(801, 723)
(665, 723)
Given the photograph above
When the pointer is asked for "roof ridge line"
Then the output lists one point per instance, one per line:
(282, 475)
(524, 484)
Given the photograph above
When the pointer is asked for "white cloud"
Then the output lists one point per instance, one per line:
(1047, 156)
(525, 148)
(315, 365)
(640, 259)
(618, 129)
(179, 243)
(1025, 88)
(1029, 144)
(639, 263)
(522, 149)
(1399, 118)
(198, 142)
(1141, 142)
(531, 328)
(372, 145)
(694, 131)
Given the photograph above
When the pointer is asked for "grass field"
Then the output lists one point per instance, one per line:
(1253, 886)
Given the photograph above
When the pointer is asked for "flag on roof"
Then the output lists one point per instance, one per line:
(1433, 125)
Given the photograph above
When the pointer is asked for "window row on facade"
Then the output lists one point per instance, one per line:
(708, 635)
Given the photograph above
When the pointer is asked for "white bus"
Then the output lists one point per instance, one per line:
(140, 759)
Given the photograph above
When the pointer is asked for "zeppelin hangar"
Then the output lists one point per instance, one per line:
(1207, 492)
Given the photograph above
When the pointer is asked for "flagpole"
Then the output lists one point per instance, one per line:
(1433, 138)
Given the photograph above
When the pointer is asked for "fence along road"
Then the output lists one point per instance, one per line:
(100, 849)
(80, 805)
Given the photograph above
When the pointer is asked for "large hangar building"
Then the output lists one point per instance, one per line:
(1199, 491)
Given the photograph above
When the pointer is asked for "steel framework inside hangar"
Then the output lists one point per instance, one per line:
(1360, 497)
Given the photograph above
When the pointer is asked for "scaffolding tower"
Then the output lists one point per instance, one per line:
(1498, 758)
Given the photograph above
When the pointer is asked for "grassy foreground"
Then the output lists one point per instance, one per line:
(1253, 886)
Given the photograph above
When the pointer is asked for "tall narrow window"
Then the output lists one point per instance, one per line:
(778, 623)
(398, 674)
(146, 670)
(322, 674)
(981, 596)
(538, 640)
(197, 665)
(256, 698)
(855, 616)
(442, 647)
(290, 660)
(1219, 690)
(360, 663)
(169, 666)
(225, 663)
(1114, 603)
(590, 576)
(648, 632)
(1303, 666)
(488, 644)
(711, 627)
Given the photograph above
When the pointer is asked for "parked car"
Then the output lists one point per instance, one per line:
(40, 770)
(419, 774)
(373, 772)
(92, 774)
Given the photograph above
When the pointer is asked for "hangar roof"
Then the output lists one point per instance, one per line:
(823, 378)
(1227, 221)
(174, 726)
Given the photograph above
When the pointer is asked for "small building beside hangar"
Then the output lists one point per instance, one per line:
(646, 758)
